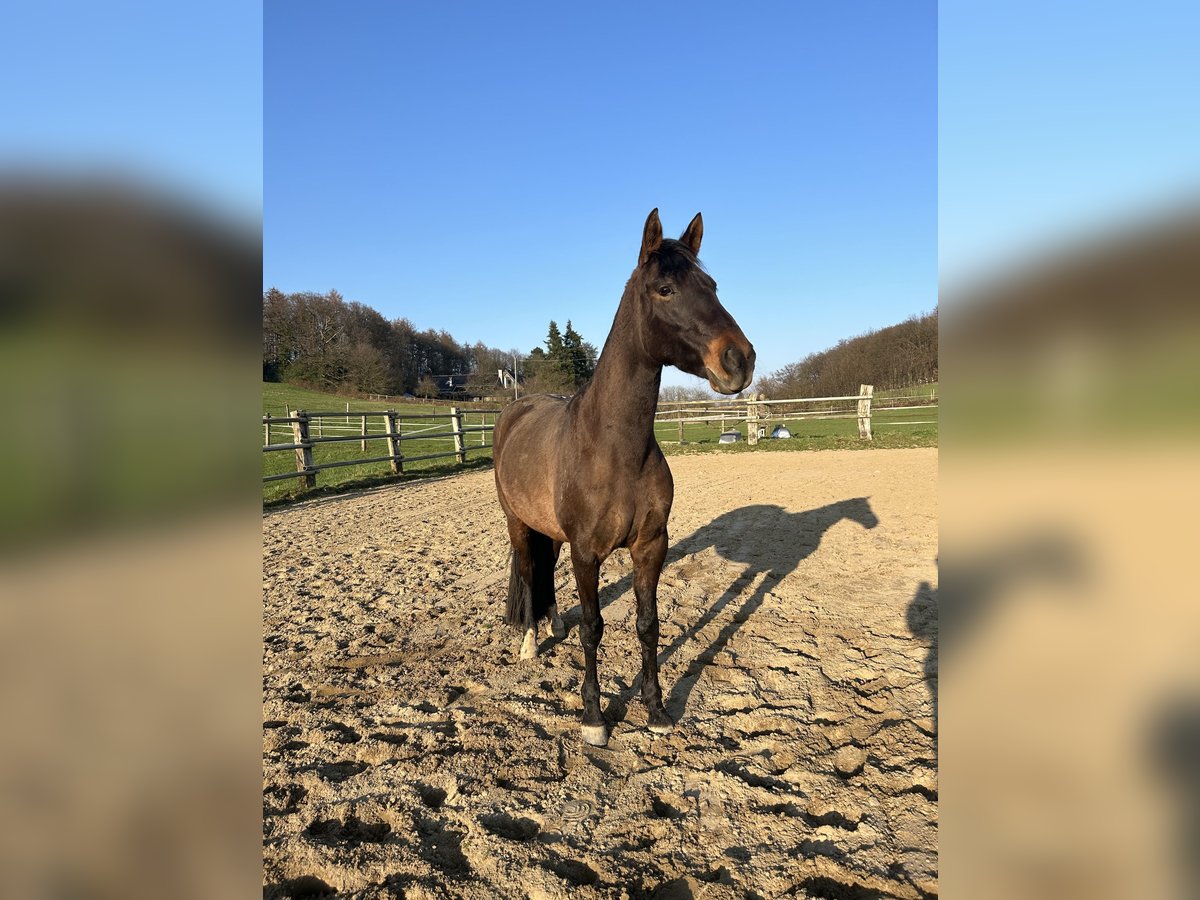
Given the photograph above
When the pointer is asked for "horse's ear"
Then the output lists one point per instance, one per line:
(651, 236)
(693, 234)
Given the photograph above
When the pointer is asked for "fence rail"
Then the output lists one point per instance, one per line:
(295, 432)
(755, 414)
(300, 426)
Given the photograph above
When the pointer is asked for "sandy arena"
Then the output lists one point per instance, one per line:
(408, 752)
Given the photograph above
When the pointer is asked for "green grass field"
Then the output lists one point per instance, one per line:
(889, 430)
(278, 396)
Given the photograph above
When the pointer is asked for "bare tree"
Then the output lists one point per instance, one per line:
(898, 356)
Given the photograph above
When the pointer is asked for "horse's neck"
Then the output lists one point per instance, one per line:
(618, 404)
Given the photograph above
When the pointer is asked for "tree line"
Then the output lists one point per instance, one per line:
(323, 341)
(326, 342)
(897, 356)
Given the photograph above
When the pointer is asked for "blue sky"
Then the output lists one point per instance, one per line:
(483, 171)
(1058, 121)
(166, 94)
(484, 168)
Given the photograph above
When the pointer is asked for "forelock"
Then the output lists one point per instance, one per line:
(673, 259)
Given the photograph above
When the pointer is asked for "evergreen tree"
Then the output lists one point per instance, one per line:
(581, 362)
(556, 370)
(554, 343)
(548, 371)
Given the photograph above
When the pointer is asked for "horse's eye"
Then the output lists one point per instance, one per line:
(666, 290)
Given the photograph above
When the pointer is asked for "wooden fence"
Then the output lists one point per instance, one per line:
(303, 431)
(307, 430)
(754, 413)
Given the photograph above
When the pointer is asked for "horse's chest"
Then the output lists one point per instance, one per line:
(607, 519)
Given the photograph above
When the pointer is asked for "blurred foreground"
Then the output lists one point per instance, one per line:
(1071, 711)
(129, 625)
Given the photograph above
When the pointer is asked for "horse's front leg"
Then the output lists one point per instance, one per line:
(648, 557)
(591, 629)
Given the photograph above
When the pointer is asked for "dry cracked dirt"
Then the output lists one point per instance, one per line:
(409, 752)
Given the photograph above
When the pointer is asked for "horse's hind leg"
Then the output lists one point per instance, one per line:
(557, 627)
(519, 612)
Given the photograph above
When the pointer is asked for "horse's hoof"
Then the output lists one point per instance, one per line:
(596, 735)
(660, 722)
(529, 646)
(558, 628)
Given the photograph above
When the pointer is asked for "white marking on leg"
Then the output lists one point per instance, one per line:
(596, 735)
(558, 628)
(529, 646)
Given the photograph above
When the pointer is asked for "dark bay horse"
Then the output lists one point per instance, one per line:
(588, 471)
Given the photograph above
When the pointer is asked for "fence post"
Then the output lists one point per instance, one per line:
(304, 460)
(393, 445)
(679, 415)
(363, 442)
(751, 422)
(460, 445)
(266, 433)
(865, 392)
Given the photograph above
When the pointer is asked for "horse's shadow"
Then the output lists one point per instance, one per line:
(750, 536)
(980, 586)
(1174, 747)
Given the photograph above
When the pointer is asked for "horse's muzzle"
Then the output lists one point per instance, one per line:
(734, 369)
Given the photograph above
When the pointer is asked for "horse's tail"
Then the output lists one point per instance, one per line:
(527, 603)
(517, 611)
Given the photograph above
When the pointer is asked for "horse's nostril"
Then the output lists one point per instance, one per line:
(733, 359)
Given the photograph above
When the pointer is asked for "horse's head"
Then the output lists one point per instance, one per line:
(858, 510)
(683, 323)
